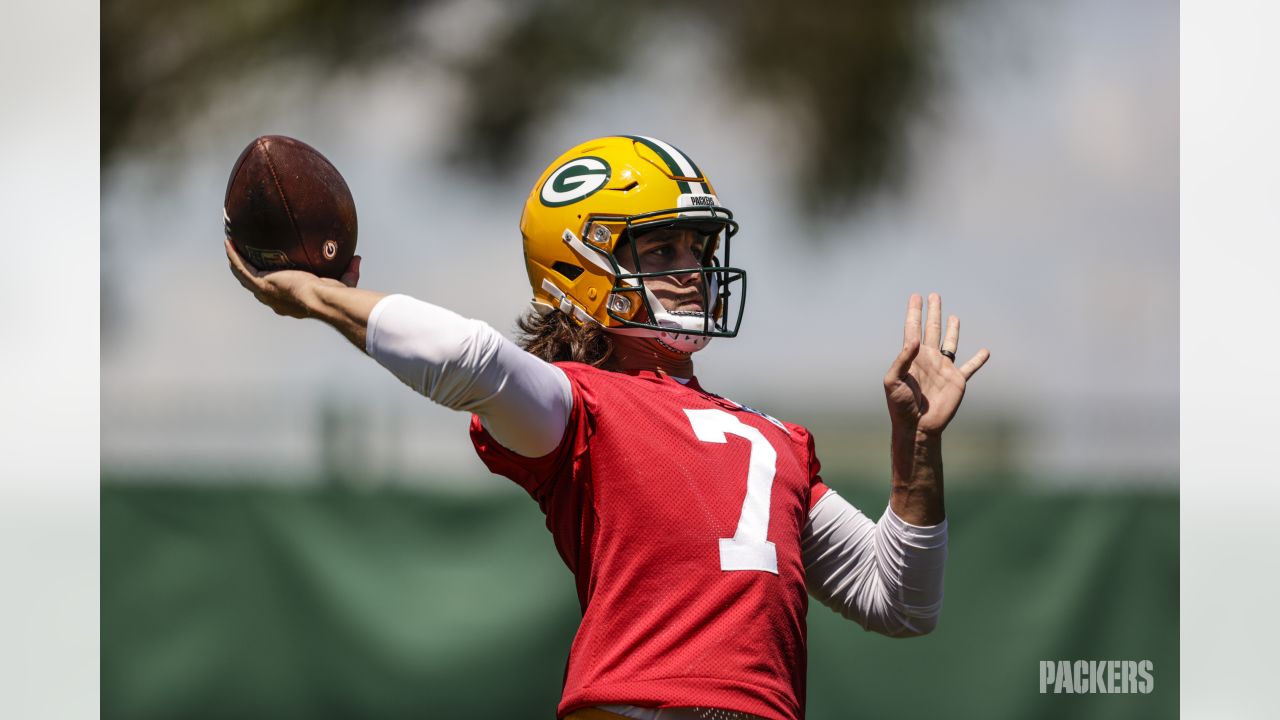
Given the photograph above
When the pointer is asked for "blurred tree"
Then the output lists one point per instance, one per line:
(850, 74)
(161, 60)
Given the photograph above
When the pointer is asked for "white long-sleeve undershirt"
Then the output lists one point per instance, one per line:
(885, 575)
(466, 365)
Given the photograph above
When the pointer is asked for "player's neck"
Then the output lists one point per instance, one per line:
(632, 353)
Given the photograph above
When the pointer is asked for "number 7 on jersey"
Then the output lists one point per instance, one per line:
(748, 549)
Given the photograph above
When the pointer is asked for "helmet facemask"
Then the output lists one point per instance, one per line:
(721, 287)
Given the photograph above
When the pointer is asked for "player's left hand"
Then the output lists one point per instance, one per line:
(924, 387)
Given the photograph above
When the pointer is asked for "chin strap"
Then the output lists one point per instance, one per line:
(674, 350)
(672, 339)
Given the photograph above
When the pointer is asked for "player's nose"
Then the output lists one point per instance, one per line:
(687, 259)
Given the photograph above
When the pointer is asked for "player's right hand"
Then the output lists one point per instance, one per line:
(286, 292)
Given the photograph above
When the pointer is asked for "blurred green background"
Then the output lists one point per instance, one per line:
(253, 602)
(288, 532)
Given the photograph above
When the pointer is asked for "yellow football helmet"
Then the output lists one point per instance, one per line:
(599, 196)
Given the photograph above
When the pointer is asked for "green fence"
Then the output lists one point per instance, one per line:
(250, 602)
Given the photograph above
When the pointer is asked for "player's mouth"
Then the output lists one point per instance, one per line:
(684, 304)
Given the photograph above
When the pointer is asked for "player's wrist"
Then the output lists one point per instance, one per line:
(311, 296)
(906, 434)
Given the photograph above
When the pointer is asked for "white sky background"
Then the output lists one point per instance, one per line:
(1044, 208)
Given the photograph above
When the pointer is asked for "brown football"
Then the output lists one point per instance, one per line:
(287, 206)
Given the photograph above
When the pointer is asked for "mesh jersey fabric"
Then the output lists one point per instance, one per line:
(637, 505)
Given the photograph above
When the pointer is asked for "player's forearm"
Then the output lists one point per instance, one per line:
(917, 495)
(345, 308)
(887, 576)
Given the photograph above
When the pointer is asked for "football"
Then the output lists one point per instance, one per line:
(287, 206)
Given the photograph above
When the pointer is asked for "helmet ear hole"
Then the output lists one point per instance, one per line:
(566, 269)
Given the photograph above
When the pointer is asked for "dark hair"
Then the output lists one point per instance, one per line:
(555, 337)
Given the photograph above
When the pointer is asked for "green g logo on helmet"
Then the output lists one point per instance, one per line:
(574, 180)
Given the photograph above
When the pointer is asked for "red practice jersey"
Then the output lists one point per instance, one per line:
(679, 513)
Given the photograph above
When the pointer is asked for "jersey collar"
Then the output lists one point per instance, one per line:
(663, 377)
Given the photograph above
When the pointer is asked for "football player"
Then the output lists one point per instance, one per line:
(695, 526)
